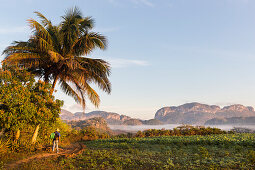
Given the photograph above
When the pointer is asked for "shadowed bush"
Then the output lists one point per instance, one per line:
(180, 131)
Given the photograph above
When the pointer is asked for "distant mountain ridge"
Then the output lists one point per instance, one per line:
(197, 113)
(232, 121)
(110, 117)
(96, 122)
(189, 113)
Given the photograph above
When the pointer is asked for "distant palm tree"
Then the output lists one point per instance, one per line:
(56, 54)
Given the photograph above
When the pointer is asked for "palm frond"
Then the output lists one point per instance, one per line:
(86, 24)
(88, 42)
(69, 91)
(92, 95)
(44, 20)
(43, 44)
(56, 52)
(39, 30)
(99, 70)
(22, 58)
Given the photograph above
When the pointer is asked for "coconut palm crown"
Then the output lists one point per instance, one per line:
(56, 54)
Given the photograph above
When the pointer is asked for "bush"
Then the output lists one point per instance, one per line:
(87, 133)
(251, 156)
(180, 131)
(4, 146)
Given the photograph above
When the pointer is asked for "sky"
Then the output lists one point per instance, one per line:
(162, 52)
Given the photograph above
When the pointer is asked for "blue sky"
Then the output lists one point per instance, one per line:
(163, 52)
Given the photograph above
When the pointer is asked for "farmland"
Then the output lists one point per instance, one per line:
(225, 151)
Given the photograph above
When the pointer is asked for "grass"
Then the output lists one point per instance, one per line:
(235, 151)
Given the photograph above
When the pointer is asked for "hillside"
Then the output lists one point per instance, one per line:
(152, 122)
(97, 122)
(196, 113)
(232, 121)
(111, 118)
(189, 113)
(133, 122)
(66, 115)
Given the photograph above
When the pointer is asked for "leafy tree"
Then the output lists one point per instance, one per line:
(25, 102)
(56, 53)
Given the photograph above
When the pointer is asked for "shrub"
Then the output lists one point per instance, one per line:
(180, 131)
(4, 146)
(251, 156)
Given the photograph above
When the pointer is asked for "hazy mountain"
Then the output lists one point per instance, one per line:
(133, 122)
(66, 115)
(152, 122)
(232, 121)
(111, 118)
(197, 113)
(96, 122)
(189, 113)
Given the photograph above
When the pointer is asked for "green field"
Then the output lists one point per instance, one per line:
(230, 151)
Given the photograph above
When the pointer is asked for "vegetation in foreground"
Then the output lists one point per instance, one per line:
(184, 130)
(54, 53)
(29, 111)
(58, 53)
(225, 151)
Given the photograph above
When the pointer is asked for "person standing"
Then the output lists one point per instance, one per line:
(56, 140)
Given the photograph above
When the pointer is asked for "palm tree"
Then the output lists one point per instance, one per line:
(55, 53)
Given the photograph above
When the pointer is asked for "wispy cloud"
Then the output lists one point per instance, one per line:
(120, 63)
(13, 30)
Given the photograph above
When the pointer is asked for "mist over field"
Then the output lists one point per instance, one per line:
(171, 126)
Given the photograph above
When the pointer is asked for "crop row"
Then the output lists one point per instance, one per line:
(239, 139)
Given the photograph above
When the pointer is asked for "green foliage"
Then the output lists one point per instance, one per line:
(91, 133)
(4, 146)
(25, 102)
(160, 153)
(44, 133)
(180, 131)
(203, 152)
(226, 139)
(251, 156)
(87, 133)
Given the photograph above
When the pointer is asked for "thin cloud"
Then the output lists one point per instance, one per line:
(120, 63)
(13, 30)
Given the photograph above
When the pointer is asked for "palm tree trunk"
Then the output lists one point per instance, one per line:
(53, 85)
(35, 134)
